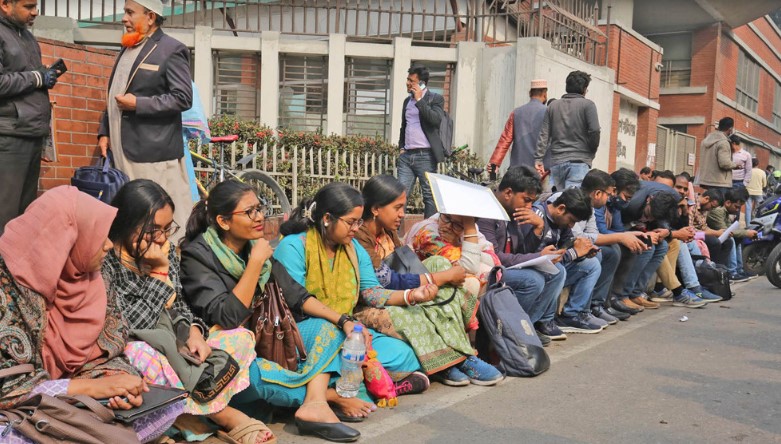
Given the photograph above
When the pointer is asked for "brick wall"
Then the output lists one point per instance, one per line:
(80, 96)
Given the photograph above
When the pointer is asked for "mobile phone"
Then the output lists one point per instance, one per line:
(422, 85)
(59, 65)
(647, 240)
(190, 357)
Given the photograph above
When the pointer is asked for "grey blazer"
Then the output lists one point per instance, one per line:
(161, 81)
(432, 110)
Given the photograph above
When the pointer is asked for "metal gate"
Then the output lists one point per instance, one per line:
(303, 92)
(675, 151)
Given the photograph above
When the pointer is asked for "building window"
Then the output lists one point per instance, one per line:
(303, 92)
(748, 82)
(367, 97)
(777, 107)
(676, 59)
(441, 78)
(237, 84)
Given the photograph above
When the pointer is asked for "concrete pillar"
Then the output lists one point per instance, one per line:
(335, 114)
(204, 70)
(467, 96)
(269, 78)
(54, 28)
(620, 11)
(402, 60)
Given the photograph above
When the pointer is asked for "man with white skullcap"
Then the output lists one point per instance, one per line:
(149, 89)
(522, 130)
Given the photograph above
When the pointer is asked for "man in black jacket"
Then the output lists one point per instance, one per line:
(421, 146)
(25, 112)
(149, 89)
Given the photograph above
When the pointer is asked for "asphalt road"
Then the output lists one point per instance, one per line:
(715, 378)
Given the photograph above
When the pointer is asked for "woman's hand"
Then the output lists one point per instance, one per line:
(121, 385)
(197, 345)
(155, 255)
(456, 275)
(261, 251)
(367, 335)
(424, 293)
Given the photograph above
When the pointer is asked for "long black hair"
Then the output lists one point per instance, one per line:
(137, 202)
(222, 201)
(335, 199)
(380, 191)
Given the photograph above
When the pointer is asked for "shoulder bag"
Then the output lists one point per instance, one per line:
(99, 181)
(276, 332)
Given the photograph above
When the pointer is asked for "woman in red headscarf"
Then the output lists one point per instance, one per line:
(55, 313)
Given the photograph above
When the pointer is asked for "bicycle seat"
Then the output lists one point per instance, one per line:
(476, 171)
(225, 139)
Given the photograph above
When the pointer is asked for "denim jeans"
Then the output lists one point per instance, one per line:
(413, 165)
(623, 273)
(568, 174)
(686, 268)
(735, 263)
(659, 252)
(752, 204)
(582, 277)
(721, 253)
(537, 292)
(609, 258)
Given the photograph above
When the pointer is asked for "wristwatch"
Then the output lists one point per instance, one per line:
(343, 319)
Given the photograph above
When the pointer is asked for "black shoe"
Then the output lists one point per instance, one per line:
(336, 432)
(346, 418)
(545, 339)
(620, 315)
(620, 306)
(550, 329)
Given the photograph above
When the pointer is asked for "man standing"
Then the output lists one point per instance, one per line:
(741, 176)
(421, 146)
(149, 89)
(570, 130)
(25, 112)
(716, 163)
(755, 188)
(522, 130)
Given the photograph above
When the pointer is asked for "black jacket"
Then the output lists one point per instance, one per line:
(160, 79)
(634, 210)
(208, 287)
(432, 110)
(523, 247)
(24, 108)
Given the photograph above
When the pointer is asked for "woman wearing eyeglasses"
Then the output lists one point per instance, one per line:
(143, 270)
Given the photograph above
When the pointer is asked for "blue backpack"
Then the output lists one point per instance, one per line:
(506, 329)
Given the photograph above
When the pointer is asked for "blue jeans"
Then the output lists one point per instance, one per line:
(412, 165)
(752, 203)
(646, 264)
(609, 258)
(686, 267)
(537, 292)
(735, 263)
(568, 174)
(582, 277)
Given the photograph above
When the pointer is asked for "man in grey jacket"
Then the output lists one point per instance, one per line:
(571, 132)
(25, 112)
(716, 163)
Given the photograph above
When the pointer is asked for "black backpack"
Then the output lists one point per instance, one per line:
(714, 278)
(506, 329)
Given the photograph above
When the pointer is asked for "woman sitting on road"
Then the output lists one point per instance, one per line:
(143, 269)
(56, 315)
(436, 331)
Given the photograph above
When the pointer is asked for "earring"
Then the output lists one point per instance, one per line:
(325, 224)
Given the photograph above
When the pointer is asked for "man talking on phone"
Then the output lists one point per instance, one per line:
(25, 112)
(420, 143)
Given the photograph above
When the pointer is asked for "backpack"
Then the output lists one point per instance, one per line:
(506, 328)
(714, 278)
(446, 133)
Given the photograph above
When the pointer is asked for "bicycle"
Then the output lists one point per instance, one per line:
(473, 174)
(259, 180)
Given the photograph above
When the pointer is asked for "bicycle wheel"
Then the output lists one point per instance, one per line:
(268, 188)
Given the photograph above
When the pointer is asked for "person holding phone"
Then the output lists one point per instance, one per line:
(419, 140)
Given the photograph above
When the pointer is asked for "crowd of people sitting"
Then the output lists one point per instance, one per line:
(621, 245)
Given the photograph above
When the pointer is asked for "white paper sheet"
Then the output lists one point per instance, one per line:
(543, 263)
(462, 198)
(724, 236)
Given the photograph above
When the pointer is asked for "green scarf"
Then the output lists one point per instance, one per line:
(334, 282)
(232, 261)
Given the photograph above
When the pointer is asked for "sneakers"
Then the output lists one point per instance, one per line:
(738, 277)
(596, 321)
(620, 315)
(544, 339)
(413, 384)
(550, 329)
(577, 324)
(749, 274)
(705, 295)
(452, 377)
(663, 295)
(688, 299)
(599, 312)
(643, 302)
(480, 372)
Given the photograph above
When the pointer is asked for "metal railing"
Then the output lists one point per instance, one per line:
(570, 25)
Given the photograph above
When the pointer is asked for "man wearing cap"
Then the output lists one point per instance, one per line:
(716, 163)
(522, 130)
(148, 90)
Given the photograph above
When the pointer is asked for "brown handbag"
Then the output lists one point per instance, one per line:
(276, 333)
(54, 420)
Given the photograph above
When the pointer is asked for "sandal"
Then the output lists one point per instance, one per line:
(247, 433)
(343, 417)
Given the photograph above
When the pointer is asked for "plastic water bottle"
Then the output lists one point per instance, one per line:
(353, 352)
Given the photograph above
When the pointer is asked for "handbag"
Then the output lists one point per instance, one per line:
(100, 181)
(57, 419)
(276, 332)
(403, 260)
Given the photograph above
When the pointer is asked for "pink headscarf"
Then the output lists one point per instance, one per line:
(48, 249)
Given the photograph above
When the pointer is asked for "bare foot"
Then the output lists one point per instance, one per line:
(316, 411)
(354, 407)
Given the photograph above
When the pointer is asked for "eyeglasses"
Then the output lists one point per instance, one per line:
(167, 232)
(456, 226)
(252, 212)
(354, 225)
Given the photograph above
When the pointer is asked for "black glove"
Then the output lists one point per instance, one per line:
(48, 77)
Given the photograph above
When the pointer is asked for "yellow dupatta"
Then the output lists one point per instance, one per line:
(334, 283)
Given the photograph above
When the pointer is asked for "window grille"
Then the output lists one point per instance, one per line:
(367, 97)
(237, 84)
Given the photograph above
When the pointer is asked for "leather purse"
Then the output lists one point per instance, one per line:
(403, 260)
(57, 419)
(276, 332)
